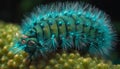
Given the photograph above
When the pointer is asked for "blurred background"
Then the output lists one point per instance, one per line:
(15, 10)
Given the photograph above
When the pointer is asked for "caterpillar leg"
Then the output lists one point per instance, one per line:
(32, 60)
(29, 60)
(65, 43)
(52, 43)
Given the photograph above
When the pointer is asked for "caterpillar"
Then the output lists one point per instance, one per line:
(66, 26)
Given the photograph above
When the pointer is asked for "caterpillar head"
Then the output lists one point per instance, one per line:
(32, 46)
(26, 43)
(30, 43)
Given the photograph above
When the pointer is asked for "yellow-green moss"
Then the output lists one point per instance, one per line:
(75, 61)
(8, 60)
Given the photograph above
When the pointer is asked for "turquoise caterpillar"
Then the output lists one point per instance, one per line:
(66, 26)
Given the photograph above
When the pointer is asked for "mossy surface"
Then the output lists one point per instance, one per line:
(9, 60)
(63, 60)
(75, 61)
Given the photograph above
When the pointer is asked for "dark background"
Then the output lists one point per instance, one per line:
(14, 11)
